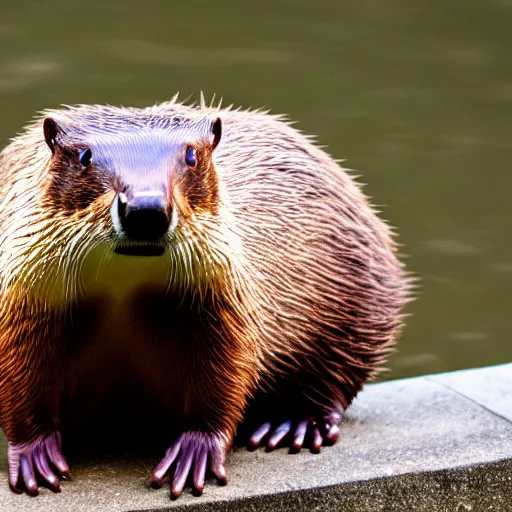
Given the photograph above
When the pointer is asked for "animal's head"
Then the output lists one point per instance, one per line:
(156, 175)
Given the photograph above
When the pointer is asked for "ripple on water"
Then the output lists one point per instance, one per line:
(450, 247)
(422, 360)
(24, 74)
(504, 267)
(157, 54)
(469, 336)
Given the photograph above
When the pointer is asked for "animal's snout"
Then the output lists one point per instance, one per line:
(144, 216)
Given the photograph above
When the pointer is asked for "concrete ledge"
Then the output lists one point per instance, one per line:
(439, 442)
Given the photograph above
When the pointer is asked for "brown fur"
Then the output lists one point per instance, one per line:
(281, 275)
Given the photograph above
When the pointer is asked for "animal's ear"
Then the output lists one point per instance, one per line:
(53, 133)
(216, 132)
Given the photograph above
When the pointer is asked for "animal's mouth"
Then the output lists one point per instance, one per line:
(140, 250)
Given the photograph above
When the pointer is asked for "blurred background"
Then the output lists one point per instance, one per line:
(416, 96)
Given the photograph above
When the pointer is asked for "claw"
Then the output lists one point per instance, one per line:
(54, 450)
(181, 473)
(300, 434)
(259, 434)
(191, 452)
(27, 473)
(316, 443)
(29, 462)
(200, 471)
(332, 434)
(15, 490)
(278, 435)
(14, 469)
(162, 468)
(220, 472)
(315, 431)
(45, 471)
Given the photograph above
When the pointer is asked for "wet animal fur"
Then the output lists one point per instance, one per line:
(282, 277)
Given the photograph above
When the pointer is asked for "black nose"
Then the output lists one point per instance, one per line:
(144, 218)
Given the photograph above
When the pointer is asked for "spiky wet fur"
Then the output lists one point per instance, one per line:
(293, 276)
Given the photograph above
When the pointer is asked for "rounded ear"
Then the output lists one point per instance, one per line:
(216, 129)
(53, 131)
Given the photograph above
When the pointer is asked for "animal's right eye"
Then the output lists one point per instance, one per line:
(191, 157)
(85, 157)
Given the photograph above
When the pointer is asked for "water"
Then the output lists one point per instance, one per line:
(417, 96)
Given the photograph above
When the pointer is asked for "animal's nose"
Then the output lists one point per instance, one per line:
(144, 217)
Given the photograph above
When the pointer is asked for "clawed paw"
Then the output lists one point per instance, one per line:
(193, 454)
(314, 432)
(41, 460)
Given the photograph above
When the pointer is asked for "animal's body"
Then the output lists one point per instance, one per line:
(202, 256)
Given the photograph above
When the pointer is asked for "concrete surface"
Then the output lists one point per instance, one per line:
(432, 443)
(490, 387)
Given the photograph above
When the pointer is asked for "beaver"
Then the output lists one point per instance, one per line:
(214, 259)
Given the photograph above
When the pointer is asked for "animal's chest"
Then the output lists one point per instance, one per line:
(125, 334)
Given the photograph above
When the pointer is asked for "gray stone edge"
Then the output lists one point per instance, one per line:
(459, 489)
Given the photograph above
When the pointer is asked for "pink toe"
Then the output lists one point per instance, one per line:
(162, 468)
(300, 434)
(259, 434)
(316, 444)
(182, 471)
(27, 472)
(200, 470)
(279, 433)
(55, 455)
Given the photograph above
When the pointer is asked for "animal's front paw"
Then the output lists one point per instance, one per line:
(312, 431)
(35, 460)
(194, 453)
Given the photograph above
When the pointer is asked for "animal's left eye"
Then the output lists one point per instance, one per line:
(85, 157)
(191, 157)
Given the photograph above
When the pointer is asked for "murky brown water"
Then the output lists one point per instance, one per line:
(416, 95)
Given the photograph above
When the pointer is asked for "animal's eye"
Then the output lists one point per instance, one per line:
(191, 157)
(85, 157)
